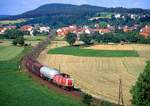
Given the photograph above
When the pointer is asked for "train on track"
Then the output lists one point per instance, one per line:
(52, 75)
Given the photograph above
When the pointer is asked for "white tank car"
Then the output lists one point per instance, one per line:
(48, 72)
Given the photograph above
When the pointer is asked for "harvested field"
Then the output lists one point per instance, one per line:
(143, 50)
(111, 47)
(100, 76)
(55, 44)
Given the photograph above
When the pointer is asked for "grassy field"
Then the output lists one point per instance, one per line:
(34, 38)
(17, 89)
(103, 15)
(77, 51)
(12, 21)
(9, 52)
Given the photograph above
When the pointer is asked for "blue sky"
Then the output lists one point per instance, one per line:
(13, 7)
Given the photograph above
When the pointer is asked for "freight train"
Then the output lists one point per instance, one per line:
(52, 75)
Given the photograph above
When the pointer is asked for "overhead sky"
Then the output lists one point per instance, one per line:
(14, 7)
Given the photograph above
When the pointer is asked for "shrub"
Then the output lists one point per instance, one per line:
(106, 103)
(14, 42)
(87, 99)
(87, 39)
(20, 40)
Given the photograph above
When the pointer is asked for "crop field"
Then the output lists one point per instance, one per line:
(18, 89)
(143, 50)
(100, 76)
(9, 52)
(77, 51)
(111, 47)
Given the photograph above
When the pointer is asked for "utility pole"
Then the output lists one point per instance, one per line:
(59, 67)
(120, 100)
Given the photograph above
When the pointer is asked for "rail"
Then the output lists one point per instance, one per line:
(34, 54)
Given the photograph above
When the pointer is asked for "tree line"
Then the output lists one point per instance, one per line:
(130, 37)
(16, 35)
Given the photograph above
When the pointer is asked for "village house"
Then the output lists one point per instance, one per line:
(112, 28)
(117, 15)
(127, 29)
(132, 28)
(104, 30)
(88, 30)
(44, 29)
(2, 30)
(65, 30)
(145, 31)
(27, 28)
(77, 30)
(11, 27)
(62, 31)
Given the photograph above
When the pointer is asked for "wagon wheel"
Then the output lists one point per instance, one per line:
(43, 77)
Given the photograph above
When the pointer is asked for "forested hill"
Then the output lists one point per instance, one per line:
(70, 10)
(60, 10)
(63, 14)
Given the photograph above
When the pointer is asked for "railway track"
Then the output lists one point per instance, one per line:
(76, 93)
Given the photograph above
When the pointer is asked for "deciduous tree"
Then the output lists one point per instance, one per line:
(141, 90)
(71, 38)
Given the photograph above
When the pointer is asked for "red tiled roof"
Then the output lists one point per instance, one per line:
(26, 27)
(105, 30)
(145, 31)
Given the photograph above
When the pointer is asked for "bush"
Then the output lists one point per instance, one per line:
(20, 40)
(2, 36)
(141, 90)
(14, 42)
(87, 39)
(148, 39)
(106, 103)
(87, 99)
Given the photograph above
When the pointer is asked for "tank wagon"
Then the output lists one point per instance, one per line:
(52, 75)
(48, 73)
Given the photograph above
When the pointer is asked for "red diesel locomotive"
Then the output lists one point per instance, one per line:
(50, 74)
